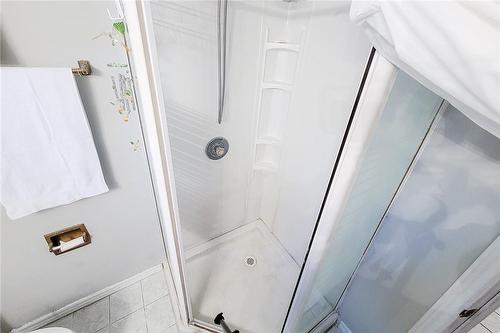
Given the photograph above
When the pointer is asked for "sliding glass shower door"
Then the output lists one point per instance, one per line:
(391, 146)
(422, 207)
(443, 217)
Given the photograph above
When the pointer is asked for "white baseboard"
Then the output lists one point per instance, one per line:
(92, 298)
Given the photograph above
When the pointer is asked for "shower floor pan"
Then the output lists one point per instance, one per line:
(247, 275)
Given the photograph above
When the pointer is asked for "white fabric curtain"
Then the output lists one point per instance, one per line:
(453, 48)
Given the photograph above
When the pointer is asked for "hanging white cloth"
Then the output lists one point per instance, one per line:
(452, 48)
(48, 157)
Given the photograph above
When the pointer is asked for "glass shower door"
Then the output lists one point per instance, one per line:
(390, 149)
(422, 207)
(444, 216)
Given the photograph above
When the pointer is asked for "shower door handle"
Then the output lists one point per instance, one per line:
(219, 320)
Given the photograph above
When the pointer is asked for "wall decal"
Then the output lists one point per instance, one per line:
(117, 35)
(136, 145)
(124, 95)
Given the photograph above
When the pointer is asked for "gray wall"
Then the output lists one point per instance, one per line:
(123, 222)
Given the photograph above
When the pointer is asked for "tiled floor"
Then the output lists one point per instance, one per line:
(490, 324)
(143, 307)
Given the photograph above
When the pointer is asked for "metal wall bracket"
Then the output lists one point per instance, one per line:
(83, 68)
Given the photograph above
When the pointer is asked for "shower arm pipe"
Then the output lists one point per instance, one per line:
(221, 55)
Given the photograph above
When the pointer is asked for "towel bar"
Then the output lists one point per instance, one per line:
(83, 68)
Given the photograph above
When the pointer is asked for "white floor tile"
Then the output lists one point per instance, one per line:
(479, 329)
(154, 287)
(492, 322)
(159, 316)
(126, 311)
(125, 301)
(133, 323)
(92, 318)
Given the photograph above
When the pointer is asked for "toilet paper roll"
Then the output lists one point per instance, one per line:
(65, 246)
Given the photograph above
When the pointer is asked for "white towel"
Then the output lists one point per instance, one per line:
(451, 47)
(48, 157)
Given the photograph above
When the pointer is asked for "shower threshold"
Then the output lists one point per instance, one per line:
(246, 274)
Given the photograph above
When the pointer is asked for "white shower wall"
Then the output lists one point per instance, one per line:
(293, 71)
(211, 194)
(331, 59)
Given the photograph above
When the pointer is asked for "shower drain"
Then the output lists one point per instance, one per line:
(250, 261)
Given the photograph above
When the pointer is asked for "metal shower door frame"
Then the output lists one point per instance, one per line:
(142, 58)
(144, 63)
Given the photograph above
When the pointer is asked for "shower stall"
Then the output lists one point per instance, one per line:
(305, 177)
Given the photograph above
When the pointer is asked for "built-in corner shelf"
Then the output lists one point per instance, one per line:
(280, 63)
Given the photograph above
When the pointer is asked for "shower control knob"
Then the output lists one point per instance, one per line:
(217, 148)
(220, 151)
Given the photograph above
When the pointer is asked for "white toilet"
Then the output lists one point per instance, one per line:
(53, 330)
